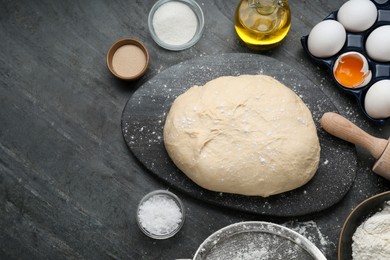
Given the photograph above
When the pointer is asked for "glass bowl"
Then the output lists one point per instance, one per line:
(158, 214)
(177, 47)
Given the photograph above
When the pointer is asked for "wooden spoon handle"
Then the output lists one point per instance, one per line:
(342, 128)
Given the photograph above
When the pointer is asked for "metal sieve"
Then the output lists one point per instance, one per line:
(257, 240)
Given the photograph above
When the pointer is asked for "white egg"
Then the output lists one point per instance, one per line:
(377, 100)
(357, 15)
(378, 44)
(326, 39)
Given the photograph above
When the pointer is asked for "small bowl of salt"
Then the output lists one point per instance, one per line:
(176, 24)
(160, 214)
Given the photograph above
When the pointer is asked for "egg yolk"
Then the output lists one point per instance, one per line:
(348, 72)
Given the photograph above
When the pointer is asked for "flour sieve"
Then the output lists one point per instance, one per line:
(257, 240)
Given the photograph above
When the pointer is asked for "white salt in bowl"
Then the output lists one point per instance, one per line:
(176, 24)
(160, 214)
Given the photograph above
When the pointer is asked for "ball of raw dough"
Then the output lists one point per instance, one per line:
(248, 135)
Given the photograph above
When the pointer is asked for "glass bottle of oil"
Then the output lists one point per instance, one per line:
(262, 24)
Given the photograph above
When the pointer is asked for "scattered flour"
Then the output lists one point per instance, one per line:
(252, 253)
(312, 232)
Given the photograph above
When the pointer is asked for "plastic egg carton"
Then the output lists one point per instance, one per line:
(355, 41)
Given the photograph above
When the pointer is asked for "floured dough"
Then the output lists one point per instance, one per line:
(248, 135)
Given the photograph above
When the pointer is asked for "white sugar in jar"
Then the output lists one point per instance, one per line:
(176, 24)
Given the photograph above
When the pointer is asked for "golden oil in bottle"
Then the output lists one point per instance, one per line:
(262, 24)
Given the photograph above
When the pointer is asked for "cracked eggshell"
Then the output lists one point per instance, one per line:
(326, 38)
(377, 100)
(350, 75)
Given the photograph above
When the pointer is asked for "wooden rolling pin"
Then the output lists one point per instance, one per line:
(342, 128)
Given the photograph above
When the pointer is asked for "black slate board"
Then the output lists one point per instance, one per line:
(144, 116)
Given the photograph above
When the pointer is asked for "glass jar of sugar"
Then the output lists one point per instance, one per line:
(160, 214)
(176, 24)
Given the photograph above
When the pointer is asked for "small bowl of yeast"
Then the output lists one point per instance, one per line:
(128, 59)
(366, 231)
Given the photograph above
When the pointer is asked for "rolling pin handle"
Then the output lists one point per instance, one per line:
(342, 128)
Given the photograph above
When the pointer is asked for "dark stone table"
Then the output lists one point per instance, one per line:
(69, 185)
